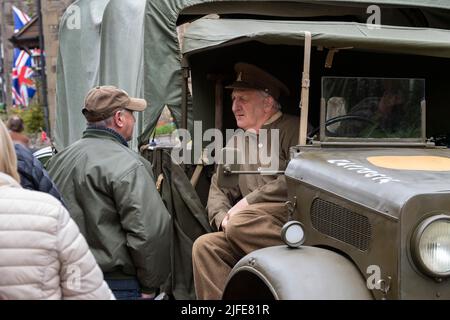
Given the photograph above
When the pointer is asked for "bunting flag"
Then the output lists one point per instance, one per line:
(23, 86)
(20, 19)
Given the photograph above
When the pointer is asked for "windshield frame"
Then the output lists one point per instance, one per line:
(324, 138)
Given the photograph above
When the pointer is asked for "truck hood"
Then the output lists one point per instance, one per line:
(380, 179)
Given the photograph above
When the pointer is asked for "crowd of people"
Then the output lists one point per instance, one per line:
(104, 231)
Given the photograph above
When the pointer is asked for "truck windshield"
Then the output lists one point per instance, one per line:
(381, 108)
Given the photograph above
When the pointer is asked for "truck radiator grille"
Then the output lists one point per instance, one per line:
(341, 224)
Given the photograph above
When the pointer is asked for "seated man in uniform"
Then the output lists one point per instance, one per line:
(249, 216)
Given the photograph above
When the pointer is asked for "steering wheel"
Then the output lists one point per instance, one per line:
(346, 117)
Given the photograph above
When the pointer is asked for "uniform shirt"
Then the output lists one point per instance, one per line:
(256, 188)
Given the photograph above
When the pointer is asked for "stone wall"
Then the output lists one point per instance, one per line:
(52, 11)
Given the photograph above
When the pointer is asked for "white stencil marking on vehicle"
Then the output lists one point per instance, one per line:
(368, 173)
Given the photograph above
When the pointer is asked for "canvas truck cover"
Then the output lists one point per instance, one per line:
(77, 68)
(117, 25)
(106, 48)
(392, 39)
(163, 80)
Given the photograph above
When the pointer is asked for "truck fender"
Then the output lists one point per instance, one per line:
(304, 273)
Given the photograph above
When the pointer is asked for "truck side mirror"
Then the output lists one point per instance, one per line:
(227, 168)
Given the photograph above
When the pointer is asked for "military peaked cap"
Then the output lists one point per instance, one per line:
(251, 77)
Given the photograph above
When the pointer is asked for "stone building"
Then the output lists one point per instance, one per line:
(52, 11)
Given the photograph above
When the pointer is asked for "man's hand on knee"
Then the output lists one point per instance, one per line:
(241, 205)
(224, 222)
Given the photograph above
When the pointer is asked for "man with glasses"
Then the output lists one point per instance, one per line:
(111, 195)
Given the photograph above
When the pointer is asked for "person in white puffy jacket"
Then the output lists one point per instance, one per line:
(43, 255)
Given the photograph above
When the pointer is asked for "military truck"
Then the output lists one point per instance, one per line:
(368, 188)
(372, 214)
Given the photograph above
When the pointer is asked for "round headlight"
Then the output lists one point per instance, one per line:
(431, 246)
(293, 234)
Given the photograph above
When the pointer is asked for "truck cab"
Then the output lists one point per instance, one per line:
(371, 194)
(369, 185)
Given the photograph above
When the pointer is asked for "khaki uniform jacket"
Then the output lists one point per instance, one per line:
(110, 193)
(256, 188)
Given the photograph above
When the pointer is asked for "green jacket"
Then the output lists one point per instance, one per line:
(110, 193)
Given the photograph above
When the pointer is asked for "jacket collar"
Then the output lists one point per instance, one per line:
(8, 181)
(266, 125)
(104, 132)
(273, 118)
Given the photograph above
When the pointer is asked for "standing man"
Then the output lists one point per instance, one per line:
(249, 216)
(110, 193)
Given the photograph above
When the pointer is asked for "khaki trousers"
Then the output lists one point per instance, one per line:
(215, 254)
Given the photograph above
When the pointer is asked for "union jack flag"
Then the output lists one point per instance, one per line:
(23, 86)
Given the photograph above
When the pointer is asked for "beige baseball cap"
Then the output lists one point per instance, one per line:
(101, 102)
